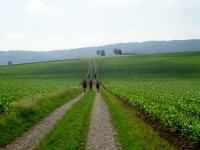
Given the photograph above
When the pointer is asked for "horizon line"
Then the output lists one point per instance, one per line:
(24, 50)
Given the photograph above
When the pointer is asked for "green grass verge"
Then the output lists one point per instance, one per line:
(71, 131)
(133, 132)
(28, 112)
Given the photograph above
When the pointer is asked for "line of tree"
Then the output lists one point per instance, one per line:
(101, 52)
(117, 51)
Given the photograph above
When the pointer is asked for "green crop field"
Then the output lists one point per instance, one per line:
(23, 81)
(28, 92)
(166, 86)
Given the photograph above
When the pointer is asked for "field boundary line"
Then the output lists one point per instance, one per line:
(31, 138)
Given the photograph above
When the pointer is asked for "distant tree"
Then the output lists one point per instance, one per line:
(98, 52)
(117, 51)
(9, 62)
(103, 53)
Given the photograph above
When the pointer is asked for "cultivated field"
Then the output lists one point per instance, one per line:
(23, 81)
(29, 92)
(42, 104)
(166, 86)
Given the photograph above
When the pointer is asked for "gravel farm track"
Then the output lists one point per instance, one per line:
(31, 138)
(101, 133)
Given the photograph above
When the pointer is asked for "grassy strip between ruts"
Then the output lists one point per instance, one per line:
(71, 131)
(28, 112)
(133, 133)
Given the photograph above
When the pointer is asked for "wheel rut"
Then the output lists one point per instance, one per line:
(31, 138)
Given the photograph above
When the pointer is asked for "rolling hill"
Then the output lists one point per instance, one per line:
(149, 47)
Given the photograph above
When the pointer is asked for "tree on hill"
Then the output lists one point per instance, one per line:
(98, 52)
(101, 52)
(120, 52)
(117, 51)
(9, 62)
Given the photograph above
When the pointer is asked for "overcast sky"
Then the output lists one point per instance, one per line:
(65, 24)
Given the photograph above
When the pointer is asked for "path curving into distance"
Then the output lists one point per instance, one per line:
(31, 138)
(102, 135)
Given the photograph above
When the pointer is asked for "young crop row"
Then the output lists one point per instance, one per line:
(17, 89)
(174, 102)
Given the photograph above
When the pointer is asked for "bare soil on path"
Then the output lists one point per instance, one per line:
(101, 134)
(31, 138)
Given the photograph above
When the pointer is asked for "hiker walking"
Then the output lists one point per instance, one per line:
(97, 85)
(91, 84)
(84, 85)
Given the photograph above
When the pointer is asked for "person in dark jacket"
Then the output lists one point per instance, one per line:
(91, 84)
(84, 85)
(97, 85)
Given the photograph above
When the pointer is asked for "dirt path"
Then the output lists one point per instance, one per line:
(101, 133)
(32, 137)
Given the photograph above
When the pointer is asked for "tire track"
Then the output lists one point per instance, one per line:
(31, 138)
